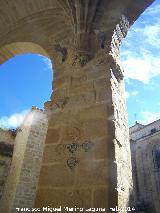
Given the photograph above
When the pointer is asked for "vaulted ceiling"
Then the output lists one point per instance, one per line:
(44, 23)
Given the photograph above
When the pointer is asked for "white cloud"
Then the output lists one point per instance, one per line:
(147, 29)
(14, 120)
(134, 93)
(141, 67)
(140, 51)
(153, 10)
(151, 34)
(126, 94)
(48, 62)
(148, 117)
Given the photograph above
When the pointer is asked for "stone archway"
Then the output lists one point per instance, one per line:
(9, 50)
(88, 131)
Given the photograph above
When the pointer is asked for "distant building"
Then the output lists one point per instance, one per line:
(145, 153)
(7, 138)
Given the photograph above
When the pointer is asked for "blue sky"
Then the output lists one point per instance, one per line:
(26, 79)
(140, 55)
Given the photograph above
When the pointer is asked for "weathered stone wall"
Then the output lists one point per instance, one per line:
(121, 143)
(7, 136)
(145, 130)
(86, 161)
(22, 180)
(6, 149)
(146, 176)
(74, 169)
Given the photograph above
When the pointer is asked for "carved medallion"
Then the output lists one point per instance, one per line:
(72, 147)
(72, 162)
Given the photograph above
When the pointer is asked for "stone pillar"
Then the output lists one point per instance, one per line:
(25, 167)
(87, 161)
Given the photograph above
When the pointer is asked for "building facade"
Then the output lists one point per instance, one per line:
(145, 152)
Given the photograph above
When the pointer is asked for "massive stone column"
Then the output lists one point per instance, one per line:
(86, 161)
